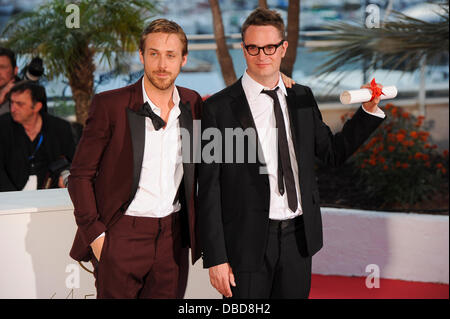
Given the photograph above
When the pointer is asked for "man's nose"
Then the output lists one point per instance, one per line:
(261, 54)
(162, 63)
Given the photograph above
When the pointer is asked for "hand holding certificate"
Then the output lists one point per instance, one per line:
(366, 94)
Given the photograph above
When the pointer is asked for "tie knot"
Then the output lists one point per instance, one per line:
(271, 93)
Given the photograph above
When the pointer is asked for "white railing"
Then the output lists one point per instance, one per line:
(237, 36)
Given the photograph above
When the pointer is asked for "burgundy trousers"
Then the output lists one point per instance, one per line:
(141, 258)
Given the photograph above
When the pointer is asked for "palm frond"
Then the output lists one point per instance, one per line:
(401, 43)
(106, 27)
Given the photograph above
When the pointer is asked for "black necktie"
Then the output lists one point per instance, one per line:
(284, 160)
(146, 110)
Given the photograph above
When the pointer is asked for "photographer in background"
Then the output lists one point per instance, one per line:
(35, 147)
(8, 75)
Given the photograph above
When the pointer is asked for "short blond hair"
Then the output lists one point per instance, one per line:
(164, 26)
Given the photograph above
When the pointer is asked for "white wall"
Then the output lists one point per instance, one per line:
(36, 233)
(37, 230)
(411, 247)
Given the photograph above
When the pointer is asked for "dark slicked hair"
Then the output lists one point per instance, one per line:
(262, 16)
(37, 92)
(164, 26)
(9, 54)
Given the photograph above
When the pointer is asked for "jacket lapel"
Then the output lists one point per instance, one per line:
(136, 124)
(242, 112)
(137, 131)
(291, 103)
(240, 107)
(187, 146)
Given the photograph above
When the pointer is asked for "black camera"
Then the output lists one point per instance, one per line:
(57, 169)
(34, 70)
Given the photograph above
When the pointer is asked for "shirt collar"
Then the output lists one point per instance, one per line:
(253, 89)
(175, 98)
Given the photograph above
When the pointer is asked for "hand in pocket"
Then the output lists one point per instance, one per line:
(97, 246)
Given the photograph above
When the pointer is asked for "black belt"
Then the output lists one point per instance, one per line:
(282, 224)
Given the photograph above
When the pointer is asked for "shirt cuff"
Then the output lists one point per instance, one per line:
(379, 112)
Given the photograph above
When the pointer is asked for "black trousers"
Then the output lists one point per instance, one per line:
(285, 273)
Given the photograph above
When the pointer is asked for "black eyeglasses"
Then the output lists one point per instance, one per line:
(268, 49)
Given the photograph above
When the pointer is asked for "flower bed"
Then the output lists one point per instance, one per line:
(397, 169)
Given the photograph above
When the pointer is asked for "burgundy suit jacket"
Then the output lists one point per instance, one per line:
(107, 164)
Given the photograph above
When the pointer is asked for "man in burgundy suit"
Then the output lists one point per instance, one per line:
(133, 178)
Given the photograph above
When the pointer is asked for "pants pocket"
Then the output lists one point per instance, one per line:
(96, 262)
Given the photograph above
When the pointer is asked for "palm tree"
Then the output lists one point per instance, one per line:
(109, 28)
(293, 25)
(262, 4)
(223, 55)
(404, 43)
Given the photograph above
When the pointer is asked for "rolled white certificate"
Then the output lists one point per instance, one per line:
(364, 95)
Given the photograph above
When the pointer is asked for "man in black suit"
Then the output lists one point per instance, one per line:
(260, 220)
(35, 147)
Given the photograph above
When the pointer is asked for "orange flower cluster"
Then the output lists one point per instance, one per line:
(422, 156)
(420, 120)
(383, 149)
(434, 146)
(422, 135)
(400, 137)
(399, 162)
(395, 111)
(441, 167)
(388, 106)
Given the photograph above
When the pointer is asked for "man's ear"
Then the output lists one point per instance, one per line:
(141, 57)
(244, 51)
(285, 46)
(16, 70)
(37, 107)
(184, 60)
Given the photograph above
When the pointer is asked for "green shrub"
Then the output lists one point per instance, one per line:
(398, 164)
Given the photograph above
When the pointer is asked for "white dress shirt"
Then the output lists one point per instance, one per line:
(261, 107)
(162, 167)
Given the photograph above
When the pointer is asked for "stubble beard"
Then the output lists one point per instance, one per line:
(161, 84)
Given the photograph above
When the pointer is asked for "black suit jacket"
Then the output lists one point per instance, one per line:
(234, 198)
(58, 142)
